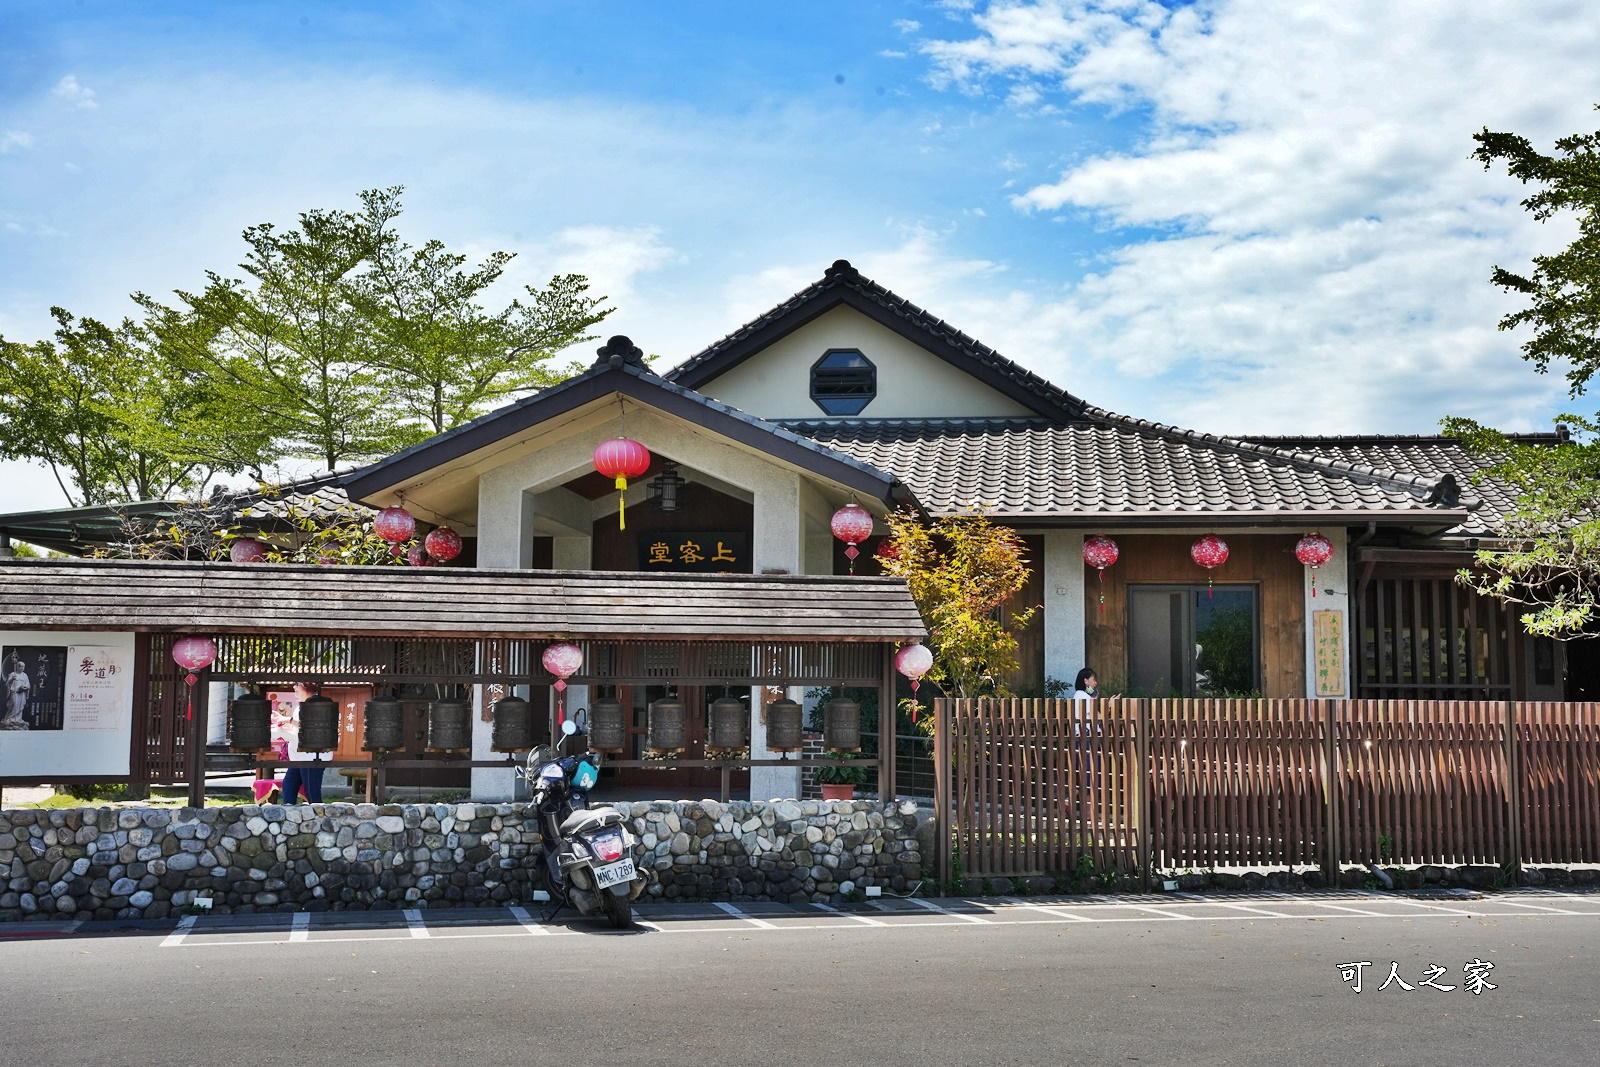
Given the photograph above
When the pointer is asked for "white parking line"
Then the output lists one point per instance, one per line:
(1156, 911)
(185, 924)
(522, 916)
(1430, 907)
(1057, 912)
(919, 902)
(737, 914)
(414, 921)
(1254, 910)
(831, 910)
(1545, 907)
(300, 926)
(1353, 911)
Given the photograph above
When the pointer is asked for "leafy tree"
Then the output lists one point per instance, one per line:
(960, 571)
(446, 357)
(82, 404)
(1546, 558)
(1565, 287)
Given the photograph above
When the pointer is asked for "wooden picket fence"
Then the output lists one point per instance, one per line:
(1046, 787)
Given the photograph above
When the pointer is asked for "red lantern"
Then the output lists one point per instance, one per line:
(443, 544)
(395, 525)
(247, 550)
(417, 556)
(1313, 550)
(1101, 552)
(914, 661)
(852, 525)
(1210, 552)
(193, 654)
(621, 458)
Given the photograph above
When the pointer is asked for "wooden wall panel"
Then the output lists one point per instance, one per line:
(1265, 560)
(702, 509)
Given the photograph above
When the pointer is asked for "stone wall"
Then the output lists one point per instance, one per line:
(128, 863)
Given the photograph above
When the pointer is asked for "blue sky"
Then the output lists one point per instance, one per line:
(1237, 215)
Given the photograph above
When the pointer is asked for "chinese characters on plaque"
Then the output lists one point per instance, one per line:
(695, 551)
(1327, 637)
(66, 687)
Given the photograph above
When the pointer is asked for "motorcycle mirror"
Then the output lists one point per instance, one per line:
(569, 727)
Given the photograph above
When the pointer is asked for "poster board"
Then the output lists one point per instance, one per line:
(66, 704)
(1327, 642)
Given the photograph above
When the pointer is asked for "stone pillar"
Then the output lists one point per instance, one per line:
(1064, 605)
(1332, 583)
(6, 551)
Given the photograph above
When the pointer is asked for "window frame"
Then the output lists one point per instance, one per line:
(1190, 665)
(866, 397)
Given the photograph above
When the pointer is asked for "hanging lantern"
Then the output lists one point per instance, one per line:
(193, 654)
(562, 660)
(913, 661)
(417, 556)
(852, 525)
(888, 551)
(247, 550)
(443, 544)
(1313, 550)
(621, 458)
(395, 525)
(1210, 552)
(1101, 552)
(329, 552)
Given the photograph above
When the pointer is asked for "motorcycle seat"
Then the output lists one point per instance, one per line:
(587, 819)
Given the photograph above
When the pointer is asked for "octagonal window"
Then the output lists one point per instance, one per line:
(843, 382)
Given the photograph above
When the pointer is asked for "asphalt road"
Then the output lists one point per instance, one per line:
(1223, 980)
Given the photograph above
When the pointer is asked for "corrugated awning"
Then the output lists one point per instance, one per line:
(81, 594)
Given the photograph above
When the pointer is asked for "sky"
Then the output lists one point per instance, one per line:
(1238, 216)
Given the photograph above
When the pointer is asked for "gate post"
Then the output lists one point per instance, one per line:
(1330, 793)
(1141, 777)
(942, 808)
(1513, 791)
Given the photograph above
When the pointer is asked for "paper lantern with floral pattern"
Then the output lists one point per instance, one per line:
(193, 653)
(1101, 552)
(247, 550)
(395, 525)
(852, 525)
(563, 660)
(442, 544)
(914, 661)
(1209, 552)
(1313, 550)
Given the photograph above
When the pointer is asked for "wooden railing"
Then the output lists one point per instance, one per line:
(1042, 787)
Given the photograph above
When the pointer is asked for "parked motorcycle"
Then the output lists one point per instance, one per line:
(588, 851)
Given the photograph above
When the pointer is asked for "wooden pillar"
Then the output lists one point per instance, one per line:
(1142, 785)
(888, 725)
(941, 790)
(196, 740)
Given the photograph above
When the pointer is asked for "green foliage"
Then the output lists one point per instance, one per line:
(841, 775)
(1564, 288)
(1227, 650)
(960, 571)
(1547, 559)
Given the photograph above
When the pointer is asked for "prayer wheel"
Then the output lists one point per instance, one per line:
(841, 725)
(783, 726)
(250, 724)
(319, 725)
(513, 725)
(449, 725)
(608, 726)
(666, 727)
(730, 724)
(385, 725)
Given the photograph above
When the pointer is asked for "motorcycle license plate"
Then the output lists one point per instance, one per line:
(613, 874)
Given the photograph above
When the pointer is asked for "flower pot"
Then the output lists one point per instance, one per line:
(844, 791)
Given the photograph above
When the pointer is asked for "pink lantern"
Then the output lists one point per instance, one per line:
(395, 525)
(914, 661)
(621, 458)
(562, 660)
(1210, 552)
(247, 550)
(1101, 552)
(1313, 550)
(443, 544)
(852, 525)
(417, 556)
(329, 552)
(193, 653)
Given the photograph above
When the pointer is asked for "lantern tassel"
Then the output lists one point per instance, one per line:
(189, 715)
(622, 503)
(1313, 581)
(1102, 572)
(915, 705)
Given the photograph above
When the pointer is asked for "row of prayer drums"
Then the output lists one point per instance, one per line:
(450, 725)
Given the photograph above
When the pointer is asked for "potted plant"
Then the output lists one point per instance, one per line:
(839, 783)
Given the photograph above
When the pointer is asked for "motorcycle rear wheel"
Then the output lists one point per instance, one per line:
(619, 910)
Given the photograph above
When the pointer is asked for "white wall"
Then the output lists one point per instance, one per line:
(1063, 604)
(1332, 583)
(775, 383)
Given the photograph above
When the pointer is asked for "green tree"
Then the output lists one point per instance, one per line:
(1564, 288)
(82, 404)
(446, 357)
(960, 570)
(1546, 556)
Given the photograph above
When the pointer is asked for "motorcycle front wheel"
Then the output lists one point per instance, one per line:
(619, 910)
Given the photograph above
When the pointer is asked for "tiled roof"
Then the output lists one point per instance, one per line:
(1430, 455)
(1114, 465)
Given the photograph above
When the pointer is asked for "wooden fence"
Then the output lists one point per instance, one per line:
(1039, 787)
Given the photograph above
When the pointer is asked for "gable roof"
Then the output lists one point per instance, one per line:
(620, 369)
(1034, 468)
(843, 285)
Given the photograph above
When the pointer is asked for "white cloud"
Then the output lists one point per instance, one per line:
(1322, 241)
(69, 90)
(907, 26)
(10, 139)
